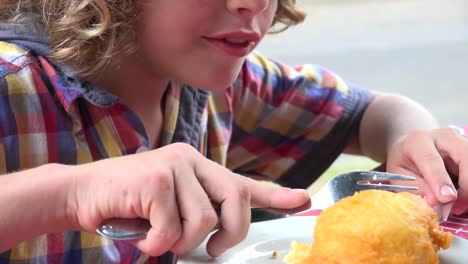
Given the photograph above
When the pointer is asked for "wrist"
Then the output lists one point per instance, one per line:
(36, 201)
(57, 201)
(388, 119)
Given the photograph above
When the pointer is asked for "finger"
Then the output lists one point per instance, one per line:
(461, 204)
(430, 164)
(232, 195)
(455, 148)
(163, 215)
(230, 191)
(424, 189)
(262, 195)
(196, 211)
(235, 220)
(271, 196)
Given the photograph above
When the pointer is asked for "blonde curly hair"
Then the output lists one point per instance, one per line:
(88, 33)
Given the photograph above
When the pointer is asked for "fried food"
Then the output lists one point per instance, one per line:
(374, 227)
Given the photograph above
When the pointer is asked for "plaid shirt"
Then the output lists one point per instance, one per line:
(286, 124)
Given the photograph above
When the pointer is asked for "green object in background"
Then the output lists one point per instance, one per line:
(344, 164)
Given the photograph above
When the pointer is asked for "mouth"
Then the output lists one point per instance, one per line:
(241, 43)
(237, 44)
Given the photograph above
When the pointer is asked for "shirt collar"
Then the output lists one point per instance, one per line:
(32, 38)
(68, 87)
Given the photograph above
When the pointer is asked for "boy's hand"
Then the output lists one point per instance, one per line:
(439, 160)
(174, 187)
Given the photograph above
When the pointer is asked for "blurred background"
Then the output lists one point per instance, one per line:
(418, 48)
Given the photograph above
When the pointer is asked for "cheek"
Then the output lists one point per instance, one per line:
(156, 38)
(271, 11)
(265, 20)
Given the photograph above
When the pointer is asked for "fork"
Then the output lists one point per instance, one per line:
(337, 188)
(347, 184)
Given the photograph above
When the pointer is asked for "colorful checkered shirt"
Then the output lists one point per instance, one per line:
(275, 121)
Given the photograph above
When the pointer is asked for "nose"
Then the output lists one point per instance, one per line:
(248, 8)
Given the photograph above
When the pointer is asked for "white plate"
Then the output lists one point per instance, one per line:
(266, 237)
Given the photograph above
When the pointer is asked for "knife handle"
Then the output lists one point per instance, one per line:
(124, 229)
(137, 228)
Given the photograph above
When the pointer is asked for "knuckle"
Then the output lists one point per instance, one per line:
(180, 152)
(169, 235)
(430, 158)
(207, 219)
(195, 230)
(182, 148)
(161, 240)
(160, 182)
(243, 192)
(406, 146)
(175, 153)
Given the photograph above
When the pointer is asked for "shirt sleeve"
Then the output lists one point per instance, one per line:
(291, 123)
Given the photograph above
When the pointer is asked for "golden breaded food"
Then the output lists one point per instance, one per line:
(374, 227)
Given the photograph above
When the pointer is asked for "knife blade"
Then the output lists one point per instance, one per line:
(443, 210)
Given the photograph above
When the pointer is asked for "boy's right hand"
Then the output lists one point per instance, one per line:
(174, 187)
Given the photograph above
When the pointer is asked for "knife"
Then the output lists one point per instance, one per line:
(443, 210)
(134, 229)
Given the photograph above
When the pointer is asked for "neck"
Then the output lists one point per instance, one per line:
(136, 86)
(140, 89)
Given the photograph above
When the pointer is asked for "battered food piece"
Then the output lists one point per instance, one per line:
(374, 227)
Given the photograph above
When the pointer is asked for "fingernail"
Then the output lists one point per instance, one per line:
(447, 191)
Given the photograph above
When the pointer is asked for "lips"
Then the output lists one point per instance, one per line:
(236, 44)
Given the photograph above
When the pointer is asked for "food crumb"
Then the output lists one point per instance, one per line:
(275, 255)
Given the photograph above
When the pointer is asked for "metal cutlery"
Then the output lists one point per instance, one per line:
(337, 188)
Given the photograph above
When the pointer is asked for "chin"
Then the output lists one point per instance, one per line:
(215, 82)
(212, 75)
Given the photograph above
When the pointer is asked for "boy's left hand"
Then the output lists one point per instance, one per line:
(439, 160)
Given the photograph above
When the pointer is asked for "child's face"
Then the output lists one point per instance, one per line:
(201, 42)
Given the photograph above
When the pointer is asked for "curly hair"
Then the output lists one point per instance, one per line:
(88, 33)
